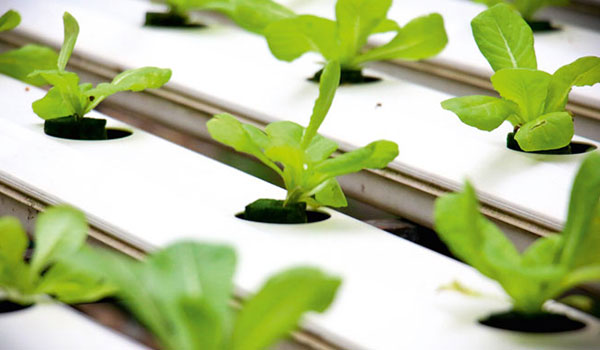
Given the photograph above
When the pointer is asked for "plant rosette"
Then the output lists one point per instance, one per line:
(532, 100)
(344, 39)
(301, 157)
(65, 105)
(547, 269)
(59, 232)
(182, 294)
(528, 9)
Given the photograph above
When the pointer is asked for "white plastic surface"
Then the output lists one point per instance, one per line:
(57, 327)
(158, 192)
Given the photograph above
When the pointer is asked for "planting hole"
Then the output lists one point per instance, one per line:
(542, 26)
(169, 20)
(348, 77)
(544, 322)
(311, 215)
(8, 306)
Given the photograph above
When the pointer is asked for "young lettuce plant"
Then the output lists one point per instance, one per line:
(527, 9)
(60, 231)
(252, 15)
(532, 100)
(345, 38)
(19, 63)
(551, 265)
(308, 173)
(182, 293)
(64, 107)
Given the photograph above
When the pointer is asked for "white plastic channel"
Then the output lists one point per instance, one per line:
(236, 70)
(155, 192)
(58, 327)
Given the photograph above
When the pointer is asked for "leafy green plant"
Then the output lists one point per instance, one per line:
(308, 172)
(69, 99)
(551, 265)
(527, 8)
(253, 15)
(181, 293)
(533, 101)
(21, 62)
(59, 232)
(345, 38)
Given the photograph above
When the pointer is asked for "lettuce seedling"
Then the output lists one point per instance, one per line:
(21, 62)
(59, 232)
(533, 101)
(182, 293)
(253, 15)
(527, 9)
(308, 173)
(345, 38)
(65, 105)
(551, 265)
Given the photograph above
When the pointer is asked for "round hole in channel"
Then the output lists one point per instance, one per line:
(312, 216)
(543, 322)
(575, 148)
(117, 133)
(8, 307)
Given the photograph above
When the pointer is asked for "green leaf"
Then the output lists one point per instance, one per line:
(71, 285)
(320, 148)
(581, 275)
(549, 131)
(226, 129)
(356, 20)
(293, 161)
(375, 155)
(466, 232)
(527, 88)
(185, 274)
(13, 243)
(504, 38)
(256, 15)
(284, 133)
(584, 71)
(483, 112)
(582, 229)
(59, 231)
(64, 99)
(198, 272)
(330, 80)
(13, 240)
(420, 38)
(202, 326)
(277, 308)
(331, 194)
(387, 25)
(21, 62)
(71, 31)
(543, 251)
(291, 38)
(129, 80)
(135, 287)
(9, 20)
